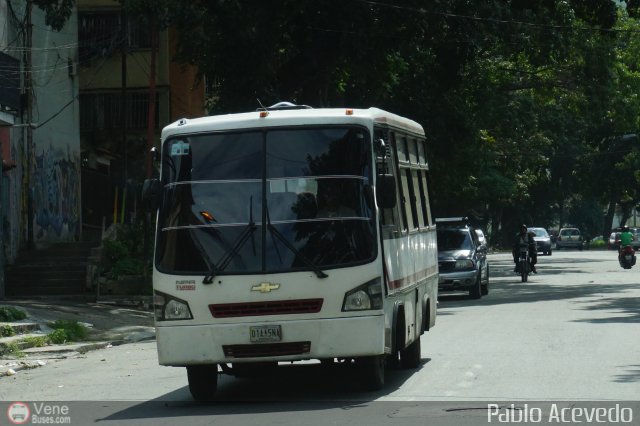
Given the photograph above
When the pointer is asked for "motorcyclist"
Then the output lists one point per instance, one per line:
(525, 237)
(626, 237)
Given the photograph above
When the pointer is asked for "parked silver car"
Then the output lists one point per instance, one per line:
(542, 238)
(569, 238)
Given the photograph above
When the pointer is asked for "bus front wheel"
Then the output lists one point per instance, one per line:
(372, 371)
(203, 381)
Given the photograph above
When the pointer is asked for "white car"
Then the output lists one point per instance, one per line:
(569, 238)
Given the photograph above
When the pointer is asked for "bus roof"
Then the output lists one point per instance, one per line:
(290, 117)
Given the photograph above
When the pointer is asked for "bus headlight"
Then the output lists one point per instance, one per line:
(170, 308)
(368, 296)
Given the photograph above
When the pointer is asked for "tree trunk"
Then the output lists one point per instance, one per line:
(608, 219)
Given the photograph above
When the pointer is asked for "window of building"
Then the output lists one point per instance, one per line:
(104, 110)
(101, 34)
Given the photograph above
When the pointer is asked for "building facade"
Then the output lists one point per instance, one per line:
(116, 55)
(39, 129)
(74, 119)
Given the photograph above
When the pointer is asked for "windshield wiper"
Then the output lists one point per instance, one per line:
(237, 245)
(319, 273)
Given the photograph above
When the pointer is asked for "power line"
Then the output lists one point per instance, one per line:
(497, 20)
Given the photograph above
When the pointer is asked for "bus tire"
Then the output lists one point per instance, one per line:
(203, 381)
(372, 372)
(410, 356)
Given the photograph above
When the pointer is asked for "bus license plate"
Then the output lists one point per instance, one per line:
(265, 333)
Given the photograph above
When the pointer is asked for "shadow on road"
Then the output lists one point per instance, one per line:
(631, 375)
(627, 309)
(505, 268)
(606, 297)
(291, 389)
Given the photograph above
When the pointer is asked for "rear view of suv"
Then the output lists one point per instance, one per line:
(569, 238)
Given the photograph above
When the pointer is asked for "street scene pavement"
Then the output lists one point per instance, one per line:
(566, 338)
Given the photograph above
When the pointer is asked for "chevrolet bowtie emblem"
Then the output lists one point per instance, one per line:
(265, 287)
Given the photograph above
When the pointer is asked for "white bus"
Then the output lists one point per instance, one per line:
(292, 233)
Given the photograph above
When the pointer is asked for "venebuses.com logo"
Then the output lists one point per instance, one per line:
(18, 413)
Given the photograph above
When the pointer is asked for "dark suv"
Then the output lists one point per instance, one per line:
(462, 259)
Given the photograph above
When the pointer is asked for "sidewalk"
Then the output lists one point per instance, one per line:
(109, 324)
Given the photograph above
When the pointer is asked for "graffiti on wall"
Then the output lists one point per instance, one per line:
(56, 194)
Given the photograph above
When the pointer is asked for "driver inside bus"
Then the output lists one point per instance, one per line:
(330, 203)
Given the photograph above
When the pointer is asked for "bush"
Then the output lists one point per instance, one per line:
(67, 331)
(58, 337)
(36, 341)
(125, 254)
(115, 250)
(9, 314)
(6, 331)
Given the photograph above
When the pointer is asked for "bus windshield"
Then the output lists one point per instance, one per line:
(265, 201)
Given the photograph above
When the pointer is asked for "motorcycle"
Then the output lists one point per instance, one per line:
(627, 257)
(523, 263)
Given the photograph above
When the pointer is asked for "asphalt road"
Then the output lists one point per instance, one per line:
(568, 336)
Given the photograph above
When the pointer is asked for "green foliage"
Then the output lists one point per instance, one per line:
(57, 12)
(67, 331)
(125, 266)
(6, 331)
(9, 314)
(125, 255)
(36, 341)
(523, 102)
(115, 249)
(12, 348)
(58, 337)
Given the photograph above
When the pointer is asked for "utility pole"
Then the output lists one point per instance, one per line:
(28, 83)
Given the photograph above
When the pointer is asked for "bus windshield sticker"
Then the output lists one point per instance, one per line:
(179, 148)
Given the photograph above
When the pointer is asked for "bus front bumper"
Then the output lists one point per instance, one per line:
(182, 345)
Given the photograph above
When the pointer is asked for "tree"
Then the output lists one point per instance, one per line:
(515, 97)
(57, 12)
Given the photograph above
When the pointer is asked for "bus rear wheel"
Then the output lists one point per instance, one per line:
(203, 381)
(371, 371)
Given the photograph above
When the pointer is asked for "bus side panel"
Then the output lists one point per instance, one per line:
(413, 282)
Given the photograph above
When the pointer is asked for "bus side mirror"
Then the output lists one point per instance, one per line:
(386, 191)
(151, 195)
